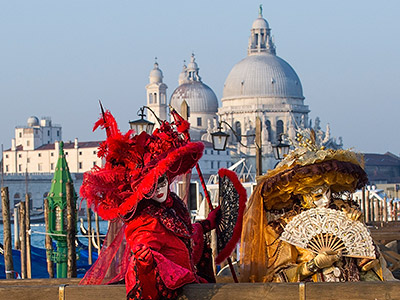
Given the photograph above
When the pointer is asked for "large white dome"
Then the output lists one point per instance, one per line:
(262, 75)
(199, 96)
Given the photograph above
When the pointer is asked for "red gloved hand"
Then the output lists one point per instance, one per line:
(143, 256)
(213, 216)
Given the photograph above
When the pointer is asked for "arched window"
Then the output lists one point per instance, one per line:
(238, 129)
(155, 97)
(268, 127)
(279, 129)
(150, 98)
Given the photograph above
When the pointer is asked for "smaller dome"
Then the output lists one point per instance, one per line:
(33, 121)
(156, 74)
(199, 96)
(260, 23)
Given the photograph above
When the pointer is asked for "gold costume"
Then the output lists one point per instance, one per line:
(278, 197)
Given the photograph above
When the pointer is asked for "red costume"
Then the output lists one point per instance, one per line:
(162, 250)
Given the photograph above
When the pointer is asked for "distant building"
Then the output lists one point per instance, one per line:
(382, 168)
(29, 164)
(36, 133)
(35, 150)
(384, 172)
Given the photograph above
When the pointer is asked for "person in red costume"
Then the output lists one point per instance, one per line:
(152, 245)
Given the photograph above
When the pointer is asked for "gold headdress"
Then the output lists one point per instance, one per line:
(310, 165)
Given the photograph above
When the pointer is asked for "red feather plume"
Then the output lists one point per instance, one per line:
(133, 164)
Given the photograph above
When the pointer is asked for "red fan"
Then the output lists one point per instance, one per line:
(233, 197)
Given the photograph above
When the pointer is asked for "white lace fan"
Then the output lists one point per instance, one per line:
(322, 229)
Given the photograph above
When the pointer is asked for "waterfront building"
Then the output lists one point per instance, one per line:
(29, 164)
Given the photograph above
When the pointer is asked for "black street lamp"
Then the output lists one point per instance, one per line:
(142, 124)
(281, 149)
(219, 140)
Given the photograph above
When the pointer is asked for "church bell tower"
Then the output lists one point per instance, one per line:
(156, 95)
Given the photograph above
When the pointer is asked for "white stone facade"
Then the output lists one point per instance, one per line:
(36, 133)
(263, 85)
(81, 157)
(29, 165)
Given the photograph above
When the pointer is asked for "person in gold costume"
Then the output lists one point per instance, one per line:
(308, 177)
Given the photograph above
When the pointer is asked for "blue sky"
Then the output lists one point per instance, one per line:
(57, 58)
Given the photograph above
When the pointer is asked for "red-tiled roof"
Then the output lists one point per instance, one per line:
(19, 148)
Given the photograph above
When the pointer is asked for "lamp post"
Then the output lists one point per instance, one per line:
(57, 199)
(142, 124)
(220, 138)
(281, 149)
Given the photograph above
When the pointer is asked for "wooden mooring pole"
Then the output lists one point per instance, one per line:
(22, 234)
(48, 242)
(96, 216)
(391, 210)
(71, 231)
(367, 208)
(8, 260)
(375, 203)
(17, 242)
(385, 210)
(28, 236)
(89, 232)
(363, 204)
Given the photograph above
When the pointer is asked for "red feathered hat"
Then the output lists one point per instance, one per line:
(133, 165)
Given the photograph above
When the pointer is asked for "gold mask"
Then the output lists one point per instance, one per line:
(318, 197)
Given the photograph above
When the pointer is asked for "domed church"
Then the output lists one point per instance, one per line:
(264, 85)
(260, 85)
(201, 99)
